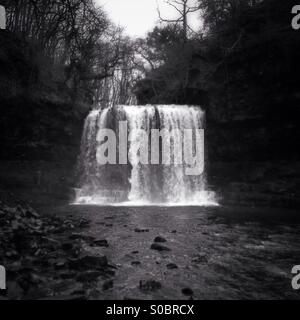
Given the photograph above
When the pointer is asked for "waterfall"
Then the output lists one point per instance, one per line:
(141, 179)
(149, 177)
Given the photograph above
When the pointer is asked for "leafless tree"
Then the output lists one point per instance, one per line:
(86, 51)
(183, 8)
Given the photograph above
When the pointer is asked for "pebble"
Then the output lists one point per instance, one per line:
(172, 266)
(187, 292)
(159, 247)
(149, 285)
(160, 239)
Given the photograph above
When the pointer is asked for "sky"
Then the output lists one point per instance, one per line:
(140, 16)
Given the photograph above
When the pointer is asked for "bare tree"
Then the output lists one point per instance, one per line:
(183, 8)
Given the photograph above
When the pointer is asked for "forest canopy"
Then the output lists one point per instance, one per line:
(75, 43)
(68, 57)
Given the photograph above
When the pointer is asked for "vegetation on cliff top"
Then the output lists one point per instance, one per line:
(59, 59)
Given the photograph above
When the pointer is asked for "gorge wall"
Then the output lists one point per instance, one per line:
(40, 126)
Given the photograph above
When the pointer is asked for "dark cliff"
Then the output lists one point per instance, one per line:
(40, 122)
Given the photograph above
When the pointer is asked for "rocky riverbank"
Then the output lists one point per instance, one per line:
(45, 257)
(92, 252)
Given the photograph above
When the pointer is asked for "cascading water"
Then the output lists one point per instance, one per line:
(141, 178)
(141, 182)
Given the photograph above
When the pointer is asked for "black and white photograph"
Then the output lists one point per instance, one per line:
(149, 152)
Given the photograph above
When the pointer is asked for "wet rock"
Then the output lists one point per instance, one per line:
(108, 285)
(187, 292)
(83, 223)
(88, 262)
(159, 247)
(68, 275)
(12, 254)
(33, 249)
(88, 238)
(30, 213)
(14, 290)
(59, 230)
(67, 246)
(200, 258)
(78, 293)
(138, 230)
(60, 264)
(75, 236)
(149, 285)
(79, 236)
(100, 243)
(172, 266)
(88, 276)
(24, 283)
(14, 266)
(36, 279)
(160, 239)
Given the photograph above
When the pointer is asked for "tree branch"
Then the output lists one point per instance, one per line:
(172, 5)
(167, 20)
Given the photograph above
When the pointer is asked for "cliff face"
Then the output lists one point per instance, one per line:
(38, 113)
(246, 78)
(40, 122)
(254, 99)
(252, 119)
